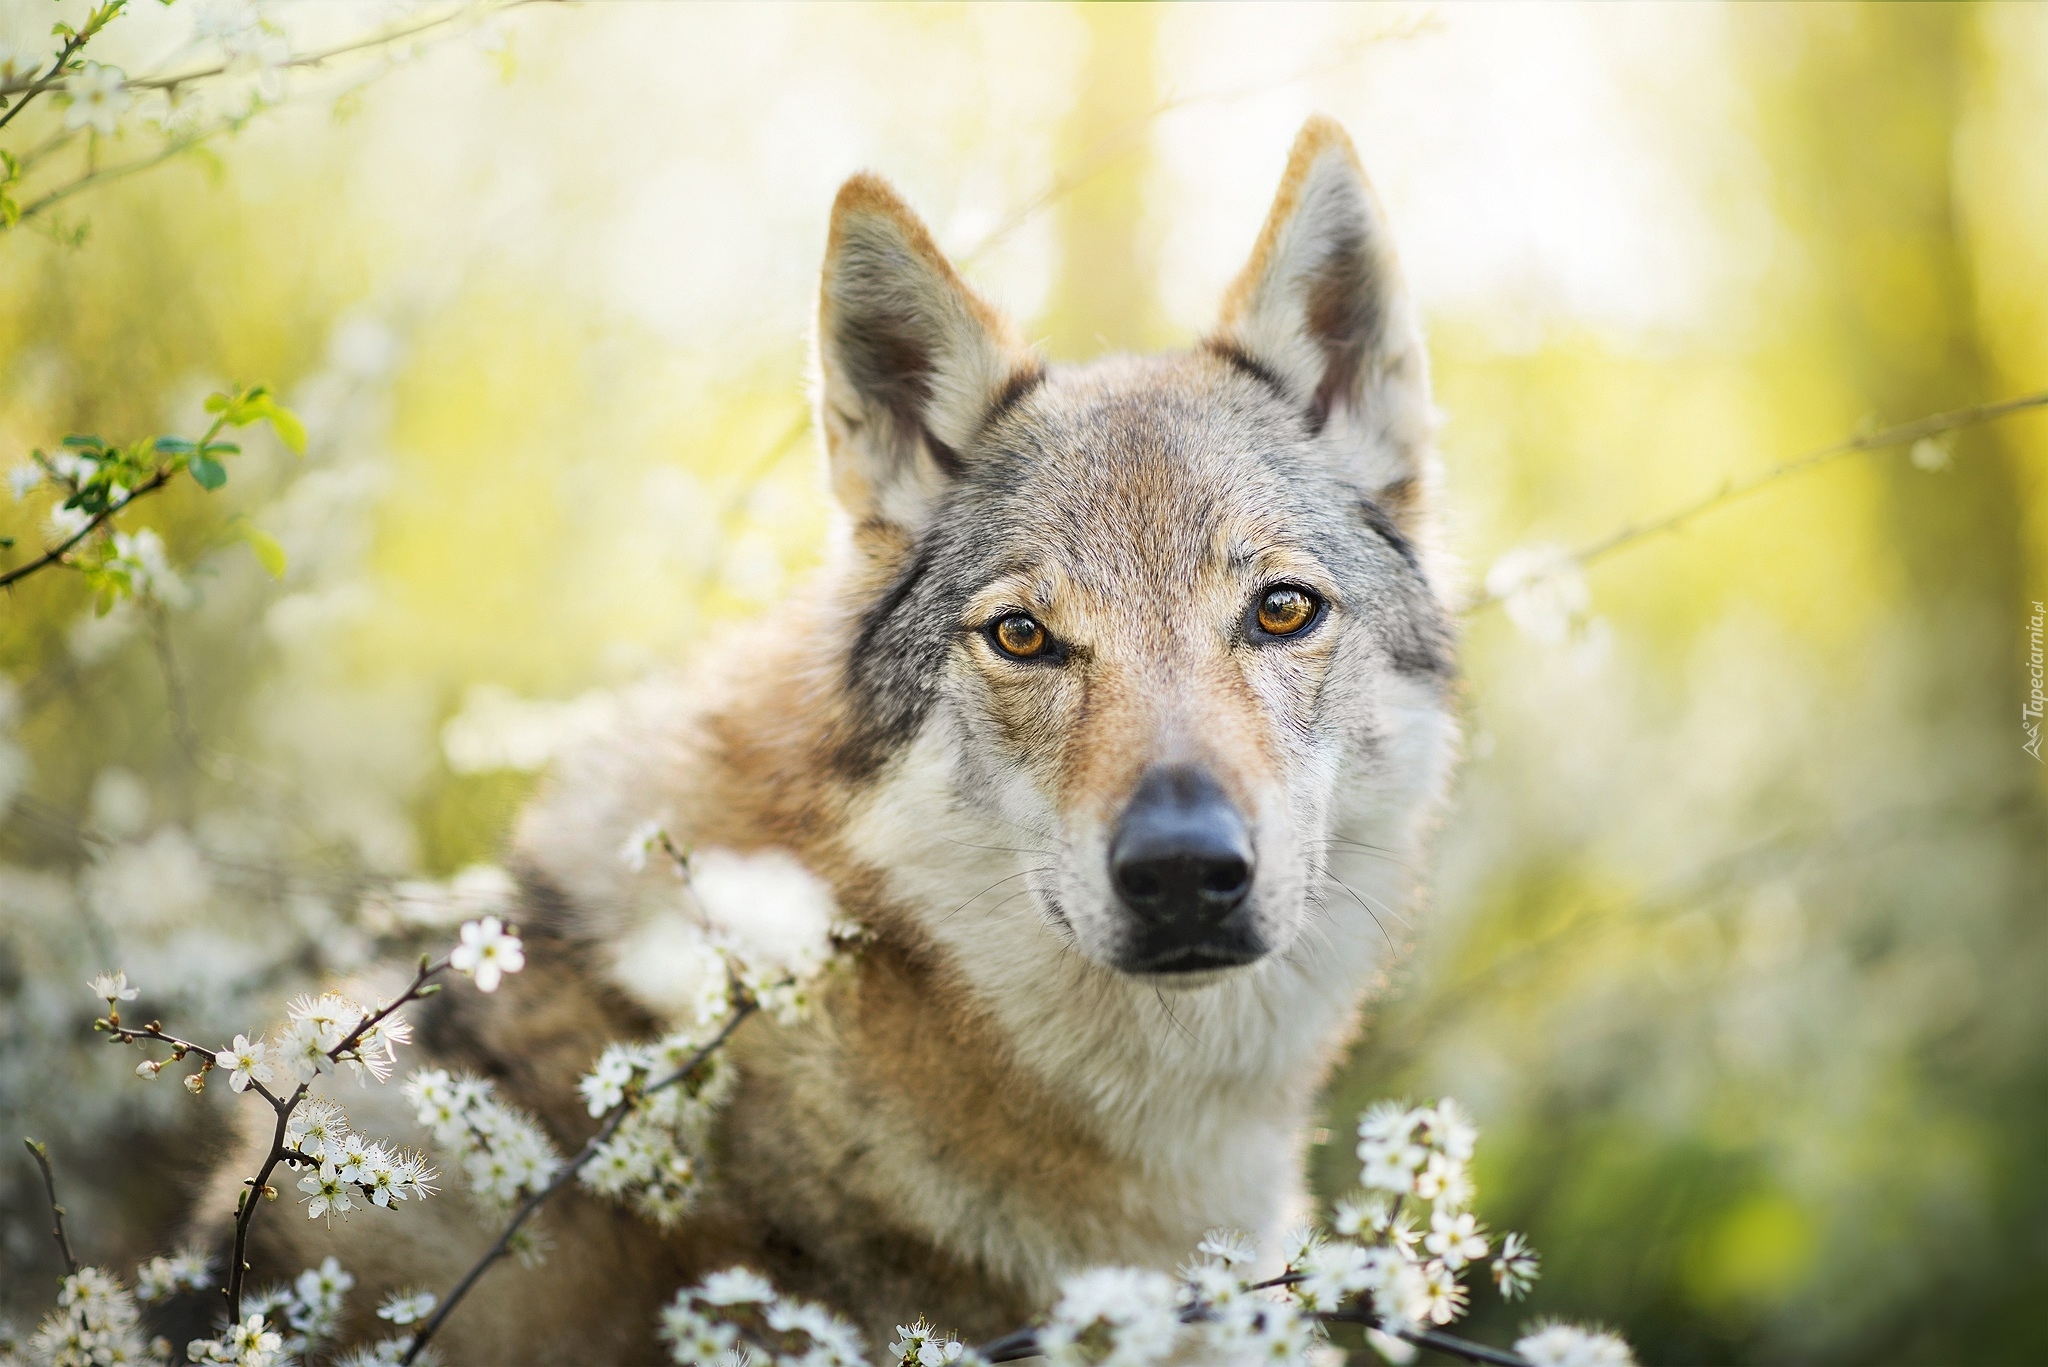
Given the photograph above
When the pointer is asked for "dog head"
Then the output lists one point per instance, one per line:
(1160, 627)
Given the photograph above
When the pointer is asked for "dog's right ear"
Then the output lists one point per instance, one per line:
(911, 362)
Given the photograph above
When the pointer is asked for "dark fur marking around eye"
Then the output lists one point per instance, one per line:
(889, 676)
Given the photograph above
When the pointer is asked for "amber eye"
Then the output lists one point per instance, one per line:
(1019, 634)
(1286, 610)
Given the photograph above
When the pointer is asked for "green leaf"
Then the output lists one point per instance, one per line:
(84, 443)
(286, 424)
(269, 554)
(281, 419)
(210, 473)
(220, 448)
(216, 403)
(174, 446)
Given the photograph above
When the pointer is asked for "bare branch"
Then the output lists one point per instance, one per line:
(1734, 491)
(42, 1156)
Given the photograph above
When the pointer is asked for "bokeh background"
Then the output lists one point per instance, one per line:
(1738, 946)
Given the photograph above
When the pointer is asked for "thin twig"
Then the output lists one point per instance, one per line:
(42, 1157)
(1734, 491)
(503, 1243)
(102, 174)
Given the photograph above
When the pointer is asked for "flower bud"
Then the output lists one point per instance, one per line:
(148, 1069)
(195, 1083)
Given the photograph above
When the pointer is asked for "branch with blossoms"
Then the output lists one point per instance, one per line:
(656, 1101)
(311, 1136)
(97, 98)
(98, 480)
(1392, 1262)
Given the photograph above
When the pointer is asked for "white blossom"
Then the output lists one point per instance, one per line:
(487, 952)
(920, 1345)
(736, 1286)
(1455, 1237)
(22, 480)
(99, 96)
(302, 1052)
(1552, 1344)
(1444, 1295)
(604, 1086)
(113, 987)
(1517, 1267)
(407, 1308)
(639, 844)
(1231, 1247)
(316, 1128)
(326, 1193)
(244, 1062)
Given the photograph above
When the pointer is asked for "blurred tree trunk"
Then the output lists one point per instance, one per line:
(1104, 300)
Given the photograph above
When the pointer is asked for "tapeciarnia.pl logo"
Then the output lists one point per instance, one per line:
(2030, 715)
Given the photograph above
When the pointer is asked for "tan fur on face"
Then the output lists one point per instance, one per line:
(987, 1104)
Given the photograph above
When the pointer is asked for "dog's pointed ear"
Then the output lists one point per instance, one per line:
(1320, 312)
(911, 361)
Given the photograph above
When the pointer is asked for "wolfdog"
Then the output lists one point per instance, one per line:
(1119, 716)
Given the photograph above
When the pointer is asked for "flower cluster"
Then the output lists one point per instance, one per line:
(767, 930)
(327, 1030)
(651, 1159)
(302, 1316)
(347, 1165)
(96, 1321)
(503, 1151)
(162, 1277)
(250, 1342)
(737, 1316)
(1115, 1316)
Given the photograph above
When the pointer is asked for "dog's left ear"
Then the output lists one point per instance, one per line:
(911, 361)
(1321, 312)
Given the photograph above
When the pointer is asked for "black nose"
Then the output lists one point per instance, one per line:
(1182, 861)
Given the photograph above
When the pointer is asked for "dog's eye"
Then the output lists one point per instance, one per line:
(1287, 610)
(1019, 635)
